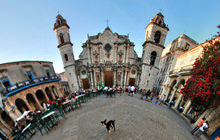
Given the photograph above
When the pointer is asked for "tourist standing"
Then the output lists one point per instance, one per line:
(162, 99)
(132, 90)
(202, 129)
(198, 125)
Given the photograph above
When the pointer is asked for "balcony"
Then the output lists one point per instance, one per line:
(7, 92)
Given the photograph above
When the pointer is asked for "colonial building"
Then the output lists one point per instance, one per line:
(109, 58)
(177, 77)
(169, 58)
(25, 85)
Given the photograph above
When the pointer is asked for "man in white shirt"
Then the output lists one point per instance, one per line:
(202, 129)
(132, 90)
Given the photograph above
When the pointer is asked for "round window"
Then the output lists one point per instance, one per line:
(133, 71)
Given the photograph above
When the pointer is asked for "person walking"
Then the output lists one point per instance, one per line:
(202, 129)
(198, 125)
(162, 99)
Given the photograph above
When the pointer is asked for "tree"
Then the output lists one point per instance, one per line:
(203, 88)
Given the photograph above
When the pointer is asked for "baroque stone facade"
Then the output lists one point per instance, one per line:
(110, 59)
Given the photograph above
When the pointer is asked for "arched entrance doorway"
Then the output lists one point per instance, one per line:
(32, 102)
(47, 90)
(40, 96)
(7, 119)
(108, 77)
(171, 90)
(21, 105)
(55, 91)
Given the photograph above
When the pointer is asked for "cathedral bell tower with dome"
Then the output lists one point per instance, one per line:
(153, 46)
(65, 46)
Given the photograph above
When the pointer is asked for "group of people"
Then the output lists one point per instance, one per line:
(201, 127)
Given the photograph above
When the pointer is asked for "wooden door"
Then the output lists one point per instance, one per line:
(131, 82)
(85, 83)
(108, 77)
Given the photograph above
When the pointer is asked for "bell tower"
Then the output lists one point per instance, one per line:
(153, 46)
(65, 46)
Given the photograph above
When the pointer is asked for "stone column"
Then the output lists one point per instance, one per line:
(37, 101)
(91, 51)
(125, 76)
(178, 101)
(174, 93)
(115, 53)
(187, 107)
(88, 53)
(115, 76)
(94, 77)
(51, 92)
(28, 105)
(99, 54)
(128, 49)
(45, 94)
(124, 53)
(91, 79)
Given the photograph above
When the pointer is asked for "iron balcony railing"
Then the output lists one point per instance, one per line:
(28, 83)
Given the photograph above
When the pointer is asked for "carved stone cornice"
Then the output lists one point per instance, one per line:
(65, 43)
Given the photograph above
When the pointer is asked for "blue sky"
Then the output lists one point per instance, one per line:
(27, 26)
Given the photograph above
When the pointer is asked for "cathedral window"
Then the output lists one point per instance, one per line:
(160, 22)
(133, 71)
(108, 48)
(83, 72)
(66, 57)
(152, 58)
(61, 38)
(157, 36)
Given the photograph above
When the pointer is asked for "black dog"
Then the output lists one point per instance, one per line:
(108, 125)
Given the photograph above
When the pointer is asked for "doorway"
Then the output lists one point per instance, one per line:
(108, 77)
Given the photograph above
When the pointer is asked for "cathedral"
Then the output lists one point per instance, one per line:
(110, 59)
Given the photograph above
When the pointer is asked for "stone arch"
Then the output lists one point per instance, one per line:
(49, 94)
(153, 57)
(41, 97)
(55, 91)
(157, 36)
(171, 88)
(61, 38)
(31, 101)
(66, 57)
(7, 119)
(21, 105)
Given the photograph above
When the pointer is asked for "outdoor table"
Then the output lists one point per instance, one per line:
(51, 114)
(81, 97)
(66, 105)
(48, 115)
(26, 129)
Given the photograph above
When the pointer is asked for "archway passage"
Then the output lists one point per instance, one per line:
(85, 83)
(55, 92)
(171, 90)
(131, 82)
(7, 119)
(108, 76)
(21, 105)
(47, 90)
(41, 97)
(32, 102)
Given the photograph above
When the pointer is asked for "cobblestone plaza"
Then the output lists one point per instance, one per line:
(135, 120)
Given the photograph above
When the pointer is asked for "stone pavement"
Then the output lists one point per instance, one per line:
(135, 120)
